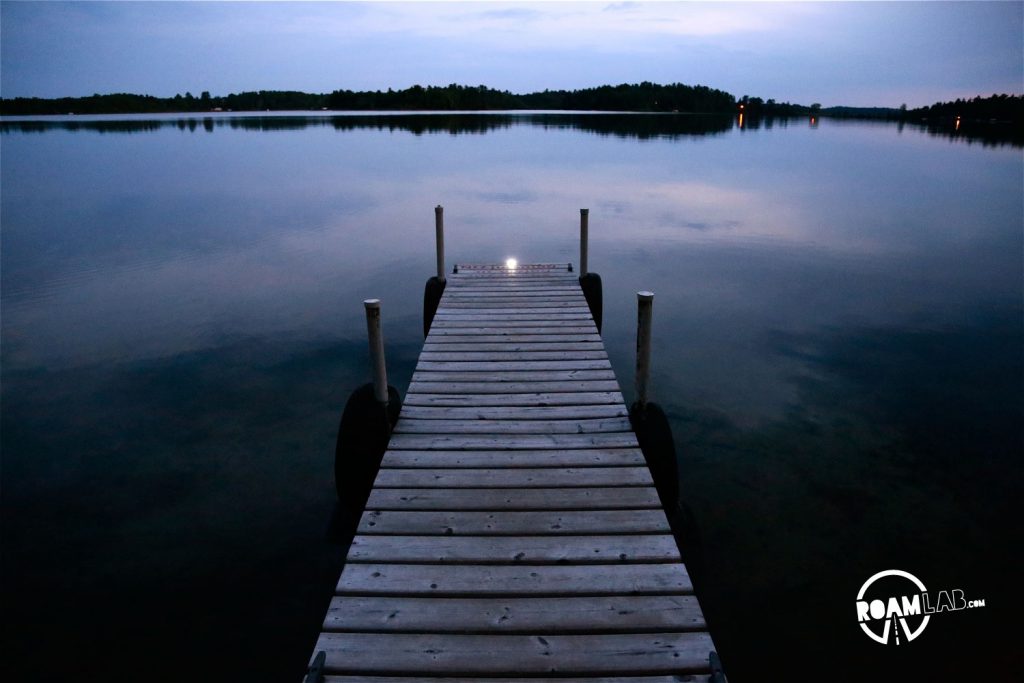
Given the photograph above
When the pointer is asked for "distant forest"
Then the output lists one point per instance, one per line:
(645, 97)
(641, 97)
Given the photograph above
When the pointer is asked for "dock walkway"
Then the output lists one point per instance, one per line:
(513, 529)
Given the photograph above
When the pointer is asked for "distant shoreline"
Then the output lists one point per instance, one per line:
(641, 98)
(643, 125)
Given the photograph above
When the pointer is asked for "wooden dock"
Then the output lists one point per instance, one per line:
(513, 529)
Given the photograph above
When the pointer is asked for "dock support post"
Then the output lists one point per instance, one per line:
(439, 230)
(376, 336)
(315, 672)
(584, 228)
(365, 428)
(435, 285)
(650, 423)
(590, 283)
(645, 305)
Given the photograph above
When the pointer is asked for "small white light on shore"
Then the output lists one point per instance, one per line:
(511, 263)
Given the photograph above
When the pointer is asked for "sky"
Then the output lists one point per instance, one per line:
(856, 54)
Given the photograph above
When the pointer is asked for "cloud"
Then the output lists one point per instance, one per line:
(512, 13)
(622, 7)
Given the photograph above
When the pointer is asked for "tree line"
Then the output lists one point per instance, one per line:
(637, 97)
(127, 103)
(1003, 108)
(644, 97)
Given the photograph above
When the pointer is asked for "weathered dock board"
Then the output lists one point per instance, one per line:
(513, 529)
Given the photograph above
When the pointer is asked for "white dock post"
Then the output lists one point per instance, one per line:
(645, 305)
(376, 335)
(439, 230)
(584, 227)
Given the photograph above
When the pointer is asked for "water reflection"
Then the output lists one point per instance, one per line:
(837, 344)
(642, 126)
(639, 126)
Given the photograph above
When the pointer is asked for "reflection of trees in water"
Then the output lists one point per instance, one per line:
(988, 134)
(638, 126)
(94, 126)
(641, 126)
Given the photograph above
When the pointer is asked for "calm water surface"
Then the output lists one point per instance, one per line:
(837, 341)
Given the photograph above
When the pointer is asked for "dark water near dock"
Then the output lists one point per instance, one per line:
(838, 342)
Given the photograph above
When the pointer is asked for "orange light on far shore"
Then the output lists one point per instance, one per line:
(957, 127)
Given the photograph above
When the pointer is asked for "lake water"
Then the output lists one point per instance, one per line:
(838, 340)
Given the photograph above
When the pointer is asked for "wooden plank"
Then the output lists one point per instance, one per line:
(459, 655)
(555, 269)
(530, 399)
(502, 275)
(479, 294)
(675, 678)
(523, 268)
(518, 366)
(467, 273)
(483, 284)
(511, 549)
(408, 425)
(549, 280)
(507, 442)
(470, 283)
(546, 313)
(450, 315)
(491, 580)
(533, 616)
(467, 269)
(510, 377)
(615, 498)
(513, 347)
(412, 412)
(488, 318)
(525, 478)
(524, 306)
(514, 288)
(517, 291)
(516, 306)
(555, 304)
(467, 388)
(534, 301)
(471, 279)
(483, 315)
(444, 523)
(509, 337)
(462, 355)
(563, 271)
(513, 330)
(540, 318)
(507, 362)
(591, 457)
(538, 321)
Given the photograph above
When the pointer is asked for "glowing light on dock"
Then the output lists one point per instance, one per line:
(511, 263)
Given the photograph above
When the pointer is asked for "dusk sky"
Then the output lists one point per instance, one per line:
(861, 54)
